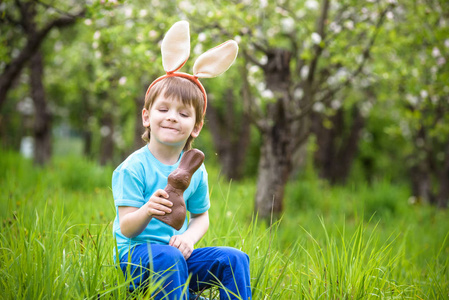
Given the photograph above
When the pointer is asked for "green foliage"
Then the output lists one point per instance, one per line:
(56, 240)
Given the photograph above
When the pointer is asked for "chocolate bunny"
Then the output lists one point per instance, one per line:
(178, 182)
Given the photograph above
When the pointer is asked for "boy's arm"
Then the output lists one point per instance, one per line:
(133, 220)
(198, 225)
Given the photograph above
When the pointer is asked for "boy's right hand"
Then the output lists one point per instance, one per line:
(158, 204)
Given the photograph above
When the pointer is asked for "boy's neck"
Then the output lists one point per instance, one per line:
(167, 155)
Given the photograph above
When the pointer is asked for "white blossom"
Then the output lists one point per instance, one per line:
(122, 80)
(335, 27)
(260, 86)
(288, 24)
(152, 33)
(318, 107)
(97, 35)
(365, 108)
(413, 100)
(202, 37)
(253, 69)
(26, 106)
(312, 4)
(267, 94)
(301, 13)
(118, 139)
(128, 12)
(143, 13)
(336, 104)
(198, 49)
(436, 52)
(298, 93)
(58, 46)
(424, 94)
(390, 15)
(316, 38)
(105, 131)
(304, 72)
(349, 24)
(88, 22)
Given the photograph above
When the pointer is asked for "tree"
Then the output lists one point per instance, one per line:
(18, 19)
(228, 122)
(22, 20)
(418, 72)
(298, 54)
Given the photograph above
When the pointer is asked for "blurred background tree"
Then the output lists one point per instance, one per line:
(360, 86)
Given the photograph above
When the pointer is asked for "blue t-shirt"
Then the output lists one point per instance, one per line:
(133, 183)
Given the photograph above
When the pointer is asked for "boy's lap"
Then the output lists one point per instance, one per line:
(160, 256)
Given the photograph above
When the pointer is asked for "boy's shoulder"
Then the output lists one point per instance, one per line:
(135, 160)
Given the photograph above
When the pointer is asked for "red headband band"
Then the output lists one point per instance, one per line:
(192, 78)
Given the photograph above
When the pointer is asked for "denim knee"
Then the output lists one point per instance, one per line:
(169, 259)
(233, 256)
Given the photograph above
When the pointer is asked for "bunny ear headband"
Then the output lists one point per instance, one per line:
(176, 50)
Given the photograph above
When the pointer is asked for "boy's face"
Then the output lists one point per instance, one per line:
(171, 122)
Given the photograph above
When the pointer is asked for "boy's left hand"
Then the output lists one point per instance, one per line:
(183, 243)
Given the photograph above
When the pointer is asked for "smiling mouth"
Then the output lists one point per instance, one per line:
(170, 128)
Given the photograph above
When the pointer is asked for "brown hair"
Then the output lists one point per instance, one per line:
(177, 88)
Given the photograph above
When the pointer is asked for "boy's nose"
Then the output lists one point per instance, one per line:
(171, 116)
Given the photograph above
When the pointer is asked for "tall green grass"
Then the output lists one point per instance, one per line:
(355, 242)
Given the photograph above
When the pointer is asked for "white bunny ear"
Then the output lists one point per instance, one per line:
(175, 47)
(216, 60)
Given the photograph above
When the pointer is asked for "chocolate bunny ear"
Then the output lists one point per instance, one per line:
(216, 60)
(175, 47)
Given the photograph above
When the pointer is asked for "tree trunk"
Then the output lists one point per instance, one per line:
(139, 102)
(231, 137)
(43, 117)
(421, 185)
(274, 169)
(443, 193)
(338, 145)
(278, 138)
(107, 142)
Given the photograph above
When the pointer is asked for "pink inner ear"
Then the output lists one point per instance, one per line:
(175, 47)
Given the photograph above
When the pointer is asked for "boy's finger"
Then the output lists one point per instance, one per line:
(163, 208)
(174, 241)
(163, 201)
(162, 193)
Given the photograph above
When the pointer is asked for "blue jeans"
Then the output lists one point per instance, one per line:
(225, 267)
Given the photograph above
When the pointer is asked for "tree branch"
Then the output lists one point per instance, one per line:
(318, 49)
(13, 69)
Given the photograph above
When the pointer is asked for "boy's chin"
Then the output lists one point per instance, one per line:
(174, 143)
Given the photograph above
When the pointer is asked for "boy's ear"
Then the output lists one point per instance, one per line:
(196, 130)
(145, 118)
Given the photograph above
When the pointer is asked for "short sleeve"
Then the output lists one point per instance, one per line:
(127, 188)
(199, 201)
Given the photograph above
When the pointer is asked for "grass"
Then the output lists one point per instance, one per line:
(359, 241)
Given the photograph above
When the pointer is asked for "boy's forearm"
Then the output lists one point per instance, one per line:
(198, 226)
(133, 223)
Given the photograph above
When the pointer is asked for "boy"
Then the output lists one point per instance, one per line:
(173, 116)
